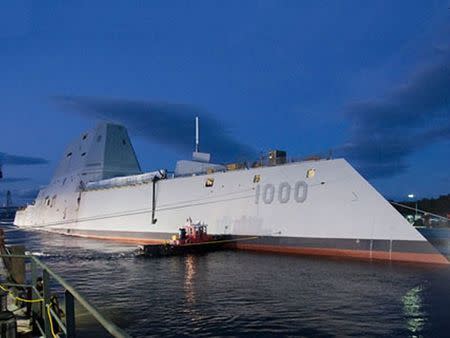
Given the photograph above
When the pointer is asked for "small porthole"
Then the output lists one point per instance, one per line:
(85, 136)
(310, 173)
(69, 154)
(256, 178)
(83, 154)
(209, 182)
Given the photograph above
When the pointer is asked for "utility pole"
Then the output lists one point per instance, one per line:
(8, 199)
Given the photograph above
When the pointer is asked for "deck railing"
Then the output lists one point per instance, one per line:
(42, 306)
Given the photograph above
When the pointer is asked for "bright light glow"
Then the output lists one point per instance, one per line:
(411, 196)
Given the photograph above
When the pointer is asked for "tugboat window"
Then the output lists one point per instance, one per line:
(85, 136)
(69, 154)
(256, 178)
(209, 182)
(83, 154)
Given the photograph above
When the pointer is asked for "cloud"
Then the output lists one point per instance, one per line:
(13, 179)
(26, 194)
(384, 132)
(164, 123)
(7, 159)
(20, 195)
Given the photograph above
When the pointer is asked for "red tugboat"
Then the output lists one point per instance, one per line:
(192, 233)
(192, 238)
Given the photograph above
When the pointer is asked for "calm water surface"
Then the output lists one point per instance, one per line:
(246, 294)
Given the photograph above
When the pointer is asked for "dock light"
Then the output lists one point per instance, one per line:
(415, 214)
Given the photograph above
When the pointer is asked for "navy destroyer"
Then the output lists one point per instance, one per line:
(319, 207)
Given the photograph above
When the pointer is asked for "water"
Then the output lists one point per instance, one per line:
(246, 294)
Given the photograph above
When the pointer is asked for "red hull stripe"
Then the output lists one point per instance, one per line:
(360, 254)
(130, 240)
(413, 257)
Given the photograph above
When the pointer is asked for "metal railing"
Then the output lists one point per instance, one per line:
(41, 303)
(420, 211)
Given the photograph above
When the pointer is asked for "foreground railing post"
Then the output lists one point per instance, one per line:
(33, 284)
(33, 272)
(46, 281)
(70, 314)
(34, 295)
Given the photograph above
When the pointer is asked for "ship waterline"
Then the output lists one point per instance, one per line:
(365, 249)
(313, 207)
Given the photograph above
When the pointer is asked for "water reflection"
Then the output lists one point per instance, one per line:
(245, 294)
(193, 311)
(190, 270)
(413, 310)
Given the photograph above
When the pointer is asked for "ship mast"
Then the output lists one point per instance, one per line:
(197, 155)
(197, 138)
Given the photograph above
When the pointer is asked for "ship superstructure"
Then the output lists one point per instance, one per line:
(320, 207)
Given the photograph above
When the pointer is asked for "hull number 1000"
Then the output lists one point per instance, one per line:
(284, 192)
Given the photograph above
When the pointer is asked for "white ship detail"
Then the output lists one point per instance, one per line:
(321, 207)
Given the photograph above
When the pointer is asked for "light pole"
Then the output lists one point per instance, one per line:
(411, 196)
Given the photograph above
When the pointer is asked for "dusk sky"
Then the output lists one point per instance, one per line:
(369, 80)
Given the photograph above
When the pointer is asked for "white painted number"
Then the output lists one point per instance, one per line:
(284, 192)
(268, 193)
(300, 191)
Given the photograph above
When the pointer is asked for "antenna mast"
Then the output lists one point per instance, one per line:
(196, 135)
(197, 155)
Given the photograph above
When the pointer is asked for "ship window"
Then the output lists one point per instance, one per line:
(310, 173)
(209, 182)
(69, 154)
(64, 181)
(83, 154)
(85, 136)
(124, 142)
(256, 178)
